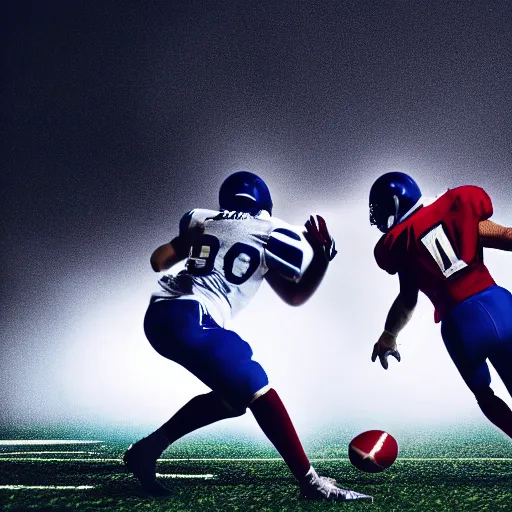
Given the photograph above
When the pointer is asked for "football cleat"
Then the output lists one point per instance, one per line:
(143, 468)
(244, 191)
(316, 487)
(393, 197)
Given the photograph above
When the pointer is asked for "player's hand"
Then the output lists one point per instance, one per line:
(386, 346)
(317, 229)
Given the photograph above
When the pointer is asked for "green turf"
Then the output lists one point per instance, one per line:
(261, 485)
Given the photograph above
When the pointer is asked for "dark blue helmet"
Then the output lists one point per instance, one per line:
(391, 197)
(243, 191)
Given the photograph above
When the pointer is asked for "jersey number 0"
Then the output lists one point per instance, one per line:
(240, 262)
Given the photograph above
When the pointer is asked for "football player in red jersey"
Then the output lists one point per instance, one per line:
(436, 246)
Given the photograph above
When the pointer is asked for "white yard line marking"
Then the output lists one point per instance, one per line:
(340, 459)
(47, 459)
(49, 452)
(334, 459)
(47, 487)
(176, 475)
(226, 460)
(507, 459)
(14, 442)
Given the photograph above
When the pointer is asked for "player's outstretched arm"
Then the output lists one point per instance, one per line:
(297, 293)
(399, 315)
(495, 236)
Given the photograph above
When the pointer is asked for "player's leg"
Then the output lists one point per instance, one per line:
(274, 420)
(498, 303)
(189, 334)
(230, 370)
(495, 409)
(223, 361)
(470, 335)
(168, 325)
(502, 362)
(202, 410)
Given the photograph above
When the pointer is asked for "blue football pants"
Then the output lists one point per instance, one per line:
(182, 331)
(478, 329)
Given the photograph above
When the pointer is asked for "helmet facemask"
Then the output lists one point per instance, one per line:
(385, 216)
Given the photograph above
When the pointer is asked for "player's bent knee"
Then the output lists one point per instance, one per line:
(246, 383)
(260, 393)
(257, 381)
(484, 395)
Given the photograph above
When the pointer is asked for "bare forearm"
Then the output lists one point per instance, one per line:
(164, 257)
(297, 293)
(495, 236)
(399, 315)
(312, 278)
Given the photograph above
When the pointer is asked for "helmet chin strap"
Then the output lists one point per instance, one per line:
(392, 219)
(418, 203)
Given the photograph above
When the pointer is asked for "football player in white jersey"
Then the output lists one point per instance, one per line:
(225, 265)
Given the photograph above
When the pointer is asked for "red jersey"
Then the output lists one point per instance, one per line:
(437, 247)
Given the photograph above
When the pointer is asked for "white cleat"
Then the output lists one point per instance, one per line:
(316, 487)
(143, 468)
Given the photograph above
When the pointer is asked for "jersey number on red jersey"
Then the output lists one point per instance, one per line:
(441, 249)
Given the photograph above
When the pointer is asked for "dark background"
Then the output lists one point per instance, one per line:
(120, 116)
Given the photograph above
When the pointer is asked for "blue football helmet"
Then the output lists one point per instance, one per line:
(391, 197)
(243, 191)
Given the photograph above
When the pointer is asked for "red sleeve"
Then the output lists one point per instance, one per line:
(479, 199)
(384, 257)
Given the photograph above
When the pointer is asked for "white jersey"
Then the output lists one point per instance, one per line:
(226, 262)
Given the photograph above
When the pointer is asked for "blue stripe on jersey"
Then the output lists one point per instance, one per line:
(288, 233)
(289, 253)
(213, 280)
(281, 266)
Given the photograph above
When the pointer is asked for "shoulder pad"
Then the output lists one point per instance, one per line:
(195, 218)
(478, 198)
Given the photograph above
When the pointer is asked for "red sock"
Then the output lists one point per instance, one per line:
(272, 417)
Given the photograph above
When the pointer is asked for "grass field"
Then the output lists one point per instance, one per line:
(225, 476)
